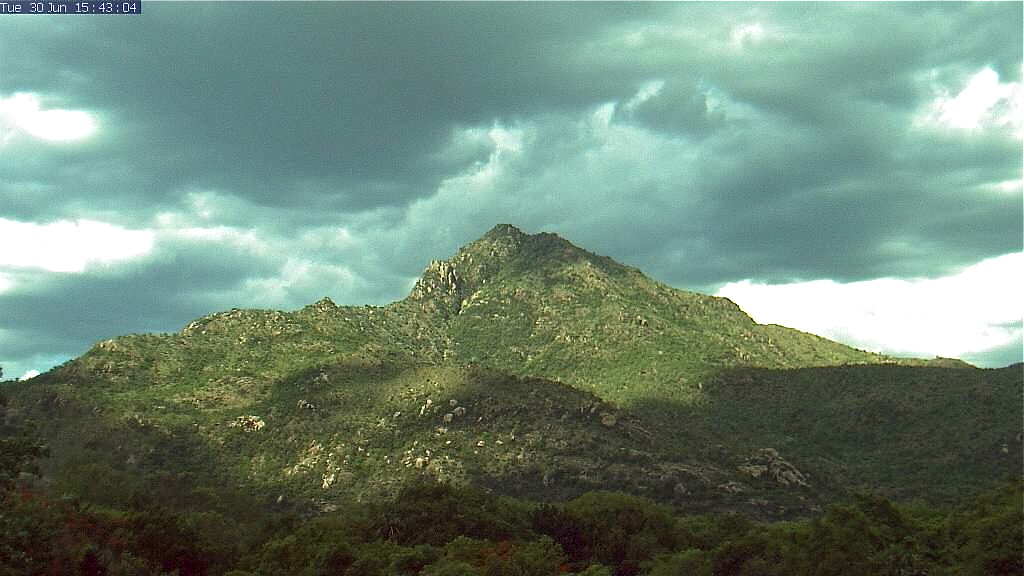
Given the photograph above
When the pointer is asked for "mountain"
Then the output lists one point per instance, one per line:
(536, 304)
(534, 368)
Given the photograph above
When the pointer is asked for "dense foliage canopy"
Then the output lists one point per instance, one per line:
(438, 530)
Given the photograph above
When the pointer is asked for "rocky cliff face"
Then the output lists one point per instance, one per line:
(440, 289)
(446, 284)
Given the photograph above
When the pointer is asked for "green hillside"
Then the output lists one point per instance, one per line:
(530, 367)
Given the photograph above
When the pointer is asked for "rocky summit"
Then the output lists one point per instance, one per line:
(531, 367)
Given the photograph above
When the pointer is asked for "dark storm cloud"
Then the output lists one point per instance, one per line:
(282, 103)
(827, 169)
(353, 142)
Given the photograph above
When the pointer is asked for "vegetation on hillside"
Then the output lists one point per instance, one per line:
(530, 408)
(775, 444)
(909, 432)
(436, 529)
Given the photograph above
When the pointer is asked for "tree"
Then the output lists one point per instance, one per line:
(616, 530)
(435, 514)
(448, 567)
(17, 449)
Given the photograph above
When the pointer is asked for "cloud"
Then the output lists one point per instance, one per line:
(748, 192)
(747, 35)
(22, 114)
(342, 107)
(959, 316)
(647, 91)
(29, 375)
(68, 246)
(983, 103)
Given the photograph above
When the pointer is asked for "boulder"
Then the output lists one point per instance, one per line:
(767, 463)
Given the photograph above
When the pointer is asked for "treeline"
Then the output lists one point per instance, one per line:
(439, 530)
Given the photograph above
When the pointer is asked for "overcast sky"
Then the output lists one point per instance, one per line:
(853, 170)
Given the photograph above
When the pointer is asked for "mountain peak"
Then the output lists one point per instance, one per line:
(505, 243)
(504, 231)
(444, 284)
(504, 251)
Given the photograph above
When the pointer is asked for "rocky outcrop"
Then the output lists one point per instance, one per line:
(250, 423)
(768, 464)
(440, 285)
